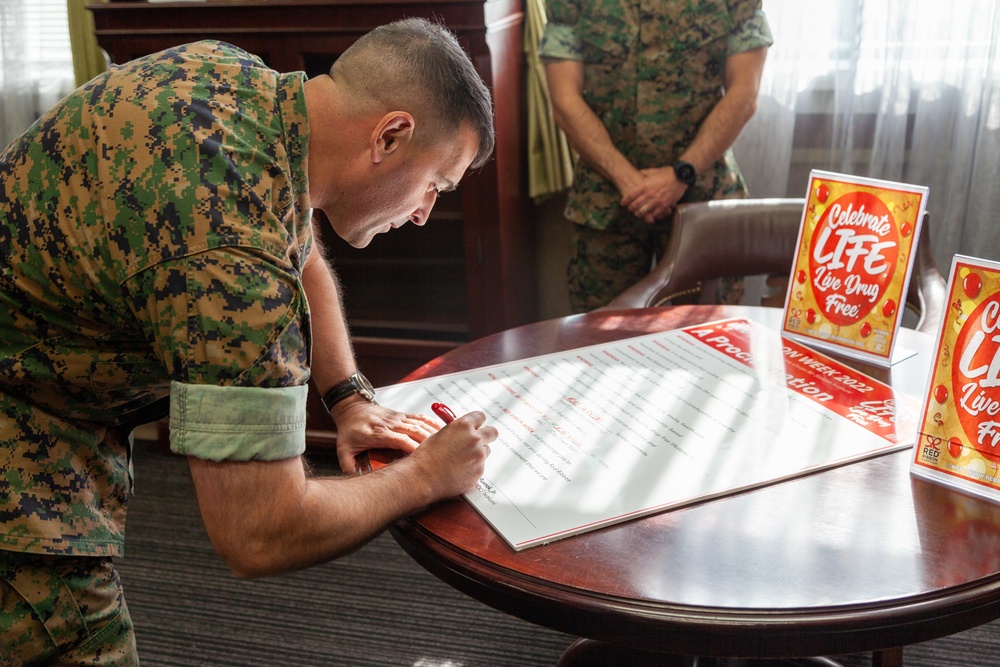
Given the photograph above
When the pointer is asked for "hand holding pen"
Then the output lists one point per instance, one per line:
(453, 460)
(443, 412)
(446, 415)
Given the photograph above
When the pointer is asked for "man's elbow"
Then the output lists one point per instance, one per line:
(559, 116)
(249, 552)
(565, 105)
(247, 560)
(742, 105)
(558, 106)
(249, 573)
(749, 109)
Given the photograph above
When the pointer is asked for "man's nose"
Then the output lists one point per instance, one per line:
(424, 212)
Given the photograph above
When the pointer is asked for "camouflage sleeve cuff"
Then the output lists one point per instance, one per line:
(561, 42)
(752, 34)
(237, 423)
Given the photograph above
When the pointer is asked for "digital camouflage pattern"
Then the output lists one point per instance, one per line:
(605, 262)
(653, 70)
(63, 610)
(153, 227)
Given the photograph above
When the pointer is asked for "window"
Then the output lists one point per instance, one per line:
(36, 61)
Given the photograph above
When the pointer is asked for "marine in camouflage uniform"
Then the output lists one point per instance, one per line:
(653, 71)
(153, 230)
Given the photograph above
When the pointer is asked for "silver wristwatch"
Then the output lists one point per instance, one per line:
(356, 384)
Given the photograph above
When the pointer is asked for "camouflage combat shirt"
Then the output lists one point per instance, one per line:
(653, 70)
(153, 229)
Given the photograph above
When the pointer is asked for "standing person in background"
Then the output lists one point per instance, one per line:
(652, 95)
(157, 245)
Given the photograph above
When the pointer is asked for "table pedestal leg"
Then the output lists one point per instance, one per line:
(591, 653)
(890, 657)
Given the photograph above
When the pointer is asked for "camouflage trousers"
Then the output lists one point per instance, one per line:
(63, 611)
(604, 262)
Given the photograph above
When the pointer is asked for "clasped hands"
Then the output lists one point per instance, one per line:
(654, 195)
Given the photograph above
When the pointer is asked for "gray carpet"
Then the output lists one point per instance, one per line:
(374, 607)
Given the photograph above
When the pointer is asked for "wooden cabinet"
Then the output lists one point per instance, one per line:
(416, 292)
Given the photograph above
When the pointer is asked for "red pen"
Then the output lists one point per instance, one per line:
(444, 412)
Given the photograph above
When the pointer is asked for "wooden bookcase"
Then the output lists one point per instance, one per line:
(416, 292)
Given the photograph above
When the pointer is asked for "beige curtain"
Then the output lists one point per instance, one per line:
(550, 159)
(89, 59)
(903, 91)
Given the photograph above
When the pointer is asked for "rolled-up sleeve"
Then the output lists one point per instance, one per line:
(237, 423)
(753, 33)
(560, 41)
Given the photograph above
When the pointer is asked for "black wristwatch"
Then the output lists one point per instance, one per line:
(685, 172)
(356, 384)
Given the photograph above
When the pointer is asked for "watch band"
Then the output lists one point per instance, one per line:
(356, 384)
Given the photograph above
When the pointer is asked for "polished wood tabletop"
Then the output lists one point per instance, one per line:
(862, 557)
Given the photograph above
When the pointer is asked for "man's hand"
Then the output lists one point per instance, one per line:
(656, 196)
(363, 425)
(453, 460)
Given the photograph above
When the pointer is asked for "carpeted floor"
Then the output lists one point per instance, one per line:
(375, 607)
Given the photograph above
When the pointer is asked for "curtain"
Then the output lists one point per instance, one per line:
(550, 159)
(89, 59)
(902, 90)
(35, 62)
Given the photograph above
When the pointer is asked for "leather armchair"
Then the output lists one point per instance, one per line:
(750, 237)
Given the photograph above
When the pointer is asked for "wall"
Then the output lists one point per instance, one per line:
(553, 238)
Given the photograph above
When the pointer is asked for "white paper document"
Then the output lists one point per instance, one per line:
(602, 434)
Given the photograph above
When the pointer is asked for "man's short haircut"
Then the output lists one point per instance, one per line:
(417, 65)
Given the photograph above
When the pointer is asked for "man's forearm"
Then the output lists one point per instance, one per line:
(584, 130)
(590, 139)
(720, 130)
(268, 517)
(305, 521)
(722, 127)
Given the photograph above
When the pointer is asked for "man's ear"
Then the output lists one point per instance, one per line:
(393, 131)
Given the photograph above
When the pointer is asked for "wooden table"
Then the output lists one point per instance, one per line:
(863, 557)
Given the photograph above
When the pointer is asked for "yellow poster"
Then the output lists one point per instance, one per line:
(959, 438)
(852, 267)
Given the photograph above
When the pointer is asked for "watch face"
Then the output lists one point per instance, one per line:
(363, 386)
(685, 173)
